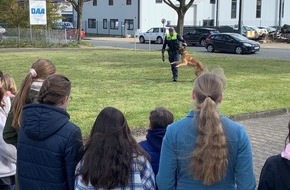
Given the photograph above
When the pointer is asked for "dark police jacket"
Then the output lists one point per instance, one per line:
(172, 42)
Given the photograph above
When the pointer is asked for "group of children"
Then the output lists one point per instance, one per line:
(204, 150)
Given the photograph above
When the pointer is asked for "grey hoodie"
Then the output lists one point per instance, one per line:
(7, 151)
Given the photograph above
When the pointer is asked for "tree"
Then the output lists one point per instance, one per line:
(15, 13)
(181, 10)
(78, 7)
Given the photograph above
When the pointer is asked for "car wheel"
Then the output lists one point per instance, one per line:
(141, 39)
(210, 48)
(202, 42)
(159, 40)
(239, 50)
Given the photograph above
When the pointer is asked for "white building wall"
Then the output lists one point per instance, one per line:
(119, 10)
(151, 14)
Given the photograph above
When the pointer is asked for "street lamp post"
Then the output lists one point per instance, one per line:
(240, 18)
(163, 22)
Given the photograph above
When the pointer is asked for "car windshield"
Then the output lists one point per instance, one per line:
(239, 37)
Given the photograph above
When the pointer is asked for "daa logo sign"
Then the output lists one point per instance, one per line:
(37, 12)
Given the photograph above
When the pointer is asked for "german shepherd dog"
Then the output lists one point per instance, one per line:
(189, 60)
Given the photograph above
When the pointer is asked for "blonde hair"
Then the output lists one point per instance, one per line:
(43, 68)
(9, 84)
(210, 156)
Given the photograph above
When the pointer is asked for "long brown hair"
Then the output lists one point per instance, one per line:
(210, 156)
(54, 89)
(42, 68)
(109, 151)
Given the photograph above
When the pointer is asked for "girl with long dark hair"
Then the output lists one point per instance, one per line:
(113, 159)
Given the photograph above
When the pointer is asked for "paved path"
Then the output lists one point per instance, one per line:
(267, 134)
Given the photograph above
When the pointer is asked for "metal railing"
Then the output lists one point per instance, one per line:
(40, 35)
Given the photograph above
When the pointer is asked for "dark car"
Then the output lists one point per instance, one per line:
(199, 35)
(231, 42)
(285, 28)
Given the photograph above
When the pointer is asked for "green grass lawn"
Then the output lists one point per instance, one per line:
(137, 81)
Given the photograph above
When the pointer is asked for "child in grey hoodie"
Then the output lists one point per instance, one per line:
(7, 151)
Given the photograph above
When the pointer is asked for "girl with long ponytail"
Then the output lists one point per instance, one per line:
(206, 150)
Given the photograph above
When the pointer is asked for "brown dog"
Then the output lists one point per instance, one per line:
(189, 60)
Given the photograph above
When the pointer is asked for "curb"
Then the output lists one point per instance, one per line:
(261, 114)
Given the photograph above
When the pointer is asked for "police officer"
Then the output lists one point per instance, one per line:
(172, 40)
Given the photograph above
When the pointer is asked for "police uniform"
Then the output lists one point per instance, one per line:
(173, 45)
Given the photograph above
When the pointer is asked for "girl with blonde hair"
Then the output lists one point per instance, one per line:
(9, 85)
(27, 94)
(206, 150)
(7, 151)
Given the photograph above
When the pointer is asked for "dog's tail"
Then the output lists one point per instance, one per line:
(174, 62)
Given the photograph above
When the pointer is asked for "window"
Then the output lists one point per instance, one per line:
(234, 9)
(111, 2)
(258, 10)
(130, 24)
(114, 24)
(212, 1)
(91, 23)
(128, 2)
(158, 1)
(105, 23)
(94, 2)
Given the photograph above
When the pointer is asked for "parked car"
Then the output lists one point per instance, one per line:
(230, 29)
(261, 31)
(83, 34)
(155, 35)
(199, 35)
(250, 32)
(285, 28)
(2, 30)
(231, 42)
(71, 31)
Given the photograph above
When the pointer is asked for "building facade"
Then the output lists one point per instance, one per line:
(127, 17)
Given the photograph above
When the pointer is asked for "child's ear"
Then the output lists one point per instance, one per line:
(220, 98)
(193, 95)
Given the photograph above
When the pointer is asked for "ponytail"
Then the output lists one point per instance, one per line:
(20, 100)
(39, 70)
(209, 159)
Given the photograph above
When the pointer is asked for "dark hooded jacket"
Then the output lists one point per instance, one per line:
(275, 174)
(152, 145)
(49, 148)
